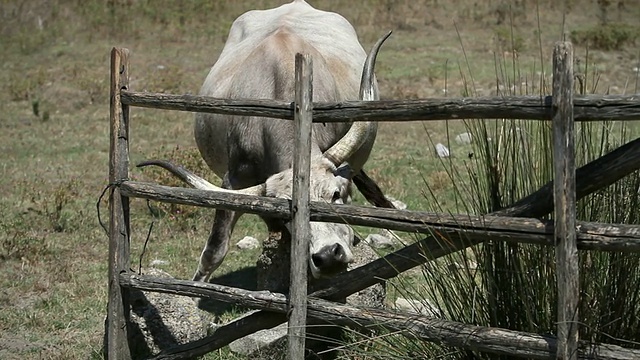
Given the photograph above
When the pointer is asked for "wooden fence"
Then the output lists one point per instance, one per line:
(517, 223)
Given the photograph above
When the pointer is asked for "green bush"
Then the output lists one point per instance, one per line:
(606, 37)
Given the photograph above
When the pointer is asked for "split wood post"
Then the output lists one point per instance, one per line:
(565, 202)
(117, 346)
(300, 206)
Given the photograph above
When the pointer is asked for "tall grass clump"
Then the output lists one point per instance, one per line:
(513, 286)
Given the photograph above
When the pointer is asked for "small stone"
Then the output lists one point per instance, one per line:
(397, 203)
(378, 241)
(158, 262)
(442, 150)
(248, 242)
(455, 266)
(464, 138)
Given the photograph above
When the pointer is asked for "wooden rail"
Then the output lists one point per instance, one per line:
(591, 236)
(586, 108)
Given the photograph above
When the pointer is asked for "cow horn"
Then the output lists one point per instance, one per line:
(359, 131)
(198, 182)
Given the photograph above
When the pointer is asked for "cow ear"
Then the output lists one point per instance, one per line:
(344, 171)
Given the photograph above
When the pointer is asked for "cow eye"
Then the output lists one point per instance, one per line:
(336, 196)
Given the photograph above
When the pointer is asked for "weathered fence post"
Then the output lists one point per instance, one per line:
(300, 206)
(117, 346)
(565, 201)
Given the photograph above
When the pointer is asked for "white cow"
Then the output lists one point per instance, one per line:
(254, 155)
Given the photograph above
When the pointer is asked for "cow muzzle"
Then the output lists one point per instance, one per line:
(331, 259)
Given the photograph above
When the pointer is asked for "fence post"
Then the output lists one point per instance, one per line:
(300, 206)
(565, 201)
(117, 346)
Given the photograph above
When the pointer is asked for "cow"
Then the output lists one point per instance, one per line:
(254, 155)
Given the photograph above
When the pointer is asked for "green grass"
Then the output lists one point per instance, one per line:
(54, 140)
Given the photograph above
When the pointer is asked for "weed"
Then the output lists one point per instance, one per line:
(22, 245)
(507, 41)
(25, 86)
(56, 206)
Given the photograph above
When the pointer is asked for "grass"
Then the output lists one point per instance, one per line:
(54, 138)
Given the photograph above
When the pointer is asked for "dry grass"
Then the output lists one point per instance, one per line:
(54, 138)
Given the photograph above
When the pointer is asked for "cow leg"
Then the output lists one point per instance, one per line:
(217, 245)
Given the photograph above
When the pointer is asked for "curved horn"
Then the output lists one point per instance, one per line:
(359, 131)
(198, 182)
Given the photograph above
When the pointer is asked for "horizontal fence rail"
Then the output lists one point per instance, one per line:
(586, 108)
(591, 236)
(479, 338)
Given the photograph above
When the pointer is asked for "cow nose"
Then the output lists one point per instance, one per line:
(330, 259)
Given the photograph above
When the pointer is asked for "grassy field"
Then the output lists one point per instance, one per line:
(54, 120)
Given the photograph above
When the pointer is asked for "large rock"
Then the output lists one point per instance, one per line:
(273, 274)
(160, 321)
(257, 342)
(375, 295)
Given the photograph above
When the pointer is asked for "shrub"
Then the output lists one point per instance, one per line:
(606, 37)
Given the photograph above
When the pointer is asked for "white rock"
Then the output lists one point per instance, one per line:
(158, 262)
(378, 241)
(397, 203)
(422, 307)
(248, 242)
(464, 138)
(442, 150)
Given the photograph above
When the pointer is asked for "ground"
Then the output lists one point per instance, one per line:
(54, 127)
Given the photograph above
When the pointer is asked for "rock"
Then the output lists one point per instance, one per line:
(379, 241)
(397, 203)
(158, 262)
(421, 307)
(248, 242)
(162, 320)
(259, 340)
(442, 150)
(464, 138)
